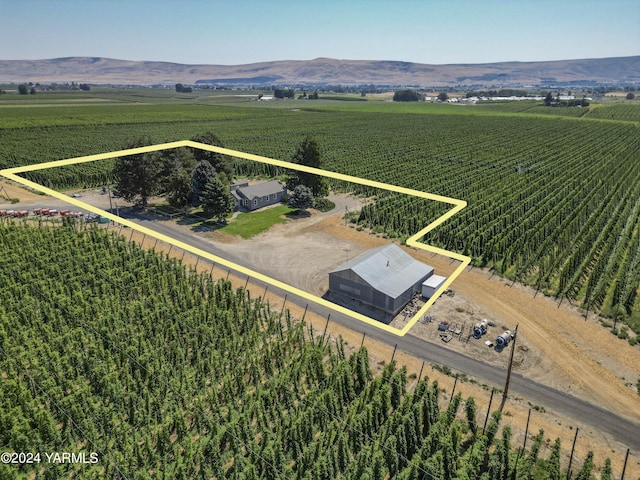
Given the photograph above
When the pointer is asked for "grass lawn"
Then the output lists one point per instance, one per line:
(249, 224)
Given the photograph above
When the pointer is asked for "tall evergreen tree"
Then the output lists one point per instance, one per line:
(179, 164)
(308, 154)
(216, 199)
(301, 198)
(203, 172)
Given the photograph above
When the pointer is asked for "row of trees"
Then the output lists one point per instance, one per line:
(408, 95)
(180, 88)
(201, 178)
(550, 101)
(186, 176)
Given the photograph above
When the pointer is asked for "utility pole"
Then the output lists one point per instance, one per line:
(110, 203)
(506, 385)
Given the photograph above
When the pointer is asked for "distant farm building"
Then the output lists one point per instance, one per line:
(382, 280)
(252, 197)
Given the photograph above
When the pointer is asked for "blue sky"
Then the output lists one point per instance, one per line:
(232, 32)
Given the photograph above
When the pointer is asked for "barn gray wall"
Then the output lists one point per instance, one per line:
(367, 294)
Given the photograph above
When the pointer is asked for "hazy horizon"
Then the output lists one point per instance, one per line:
(225, 32)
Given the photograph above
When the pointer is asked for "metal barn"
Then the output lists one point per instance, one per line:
(385, 278)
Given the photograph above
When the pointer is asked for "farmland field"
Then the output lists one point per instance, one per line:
(112, 349)
(552, 198)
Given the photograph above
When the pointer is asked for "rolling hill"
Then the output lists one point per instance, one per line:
(323, 71)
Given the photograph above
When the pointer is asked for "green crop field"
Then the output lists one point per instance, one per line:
(153, 371)
(552, 192)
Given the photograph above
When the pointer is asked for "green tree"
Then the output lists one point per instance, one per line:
(138, 176)
(216, 198)
(284, 93)
(203, 172)
(23, 89)
(308, 154)
(630, 96)
(178, 166)
(301, 198)
(548, 99)
(406, 95)
(221, 163)
(443, 97)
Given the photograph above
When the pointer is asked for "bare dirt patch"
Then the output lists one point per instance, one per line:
(13, 191)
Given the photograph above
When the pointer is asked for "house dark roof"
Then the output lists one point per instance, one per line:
(260, 189)
(388, 269)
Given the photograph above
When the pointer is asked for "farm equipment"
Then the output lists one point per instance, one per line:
(14, 213)
(503, 340)
(479, 329)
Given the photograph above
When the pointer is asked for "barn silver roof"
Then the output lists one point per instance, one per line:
(388, 269)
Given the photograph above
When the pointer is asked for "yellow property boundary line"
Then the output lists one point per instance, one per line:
(12, 174)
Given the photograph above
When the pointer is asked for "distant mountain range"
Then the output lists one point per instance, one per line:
(323, 71)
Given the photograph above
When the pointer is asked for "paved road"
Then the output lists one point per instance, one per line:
(564, 404)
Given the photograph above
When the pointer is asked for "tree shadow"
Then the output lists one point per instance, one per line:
(298, 214)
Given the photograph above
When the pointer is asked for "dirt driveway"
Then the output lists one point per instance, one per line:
(301, 251)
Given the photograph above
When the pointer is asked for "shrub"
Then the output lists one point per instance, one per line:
(624, 333)
(324, 204)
